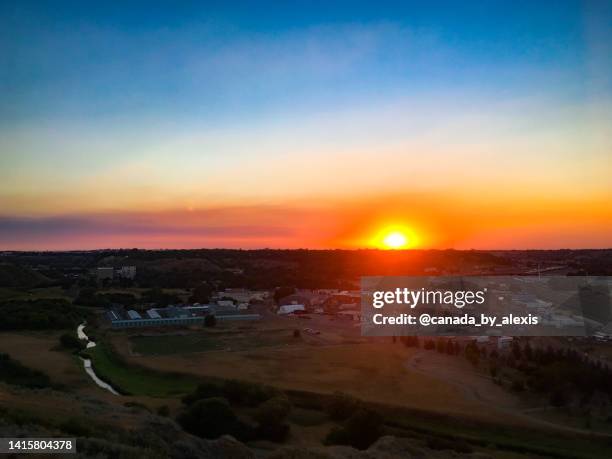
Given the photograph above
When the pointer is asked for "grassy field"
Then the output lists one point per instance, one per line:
(40, 351)
(32, 294)
(173, 344)
(209, 340)
(374, 372)
(136, 380)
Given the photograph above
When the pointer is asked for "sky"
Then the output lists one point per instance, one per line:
(463, 125)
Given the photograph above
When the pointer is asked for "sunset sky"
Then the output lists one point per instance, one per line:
(306, 125)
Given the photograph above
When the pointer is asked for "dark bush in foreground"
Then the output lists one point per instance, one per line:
(212, 418)
(458, 446)
(271, 419)
(342, 406)
(240, 392)
(361, 430)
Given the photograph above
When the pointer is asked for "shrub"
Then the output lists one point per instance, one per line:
(458, 446)
(362, 429)
(212, 418)
(342, 406)
(70, 341)
(240, 392)
(270, 417)
(273, 411)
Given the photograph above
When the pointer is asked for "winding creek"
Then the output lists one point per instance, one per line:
(87, 362)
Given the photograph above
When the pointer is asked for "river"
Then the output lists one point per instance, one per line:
(87, 362)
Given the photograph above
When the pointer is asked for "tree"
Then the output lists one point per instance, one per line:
(70, 341)
(282, 292)
(210, 320)
(202, 293)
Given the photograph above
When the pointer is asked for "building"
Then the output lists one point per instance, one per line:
(241, 295)
(290, 309)
(133, 315)
(172, 316)
(127, 272)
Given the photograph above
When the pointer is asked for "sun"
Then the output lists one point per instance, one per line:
(395, 240)
(395, 236)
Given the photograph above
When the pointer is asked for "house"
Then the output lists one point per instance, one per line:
(290, 308)
(127, 272)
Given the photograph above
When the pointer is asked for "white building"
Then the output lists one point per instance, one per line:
(290, 308)
(127, 272)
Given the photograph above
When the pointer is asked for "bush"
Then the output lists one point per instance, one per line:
(362, 429)
(458, 446)
(270, 417)
(212, 418)
(273, 411)
(342, 406)
(240, 392)
(70, 341)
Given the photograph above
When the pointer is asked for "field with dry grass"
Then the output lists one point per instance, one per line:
(371, 371)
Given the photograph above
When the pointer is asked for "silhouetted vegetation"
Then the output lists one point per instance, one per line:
(212, 418)
(42, 314)
(71, 341)
(362, 429)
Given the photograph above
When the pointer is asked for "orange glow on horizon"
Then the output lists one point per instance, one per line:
(395, 238)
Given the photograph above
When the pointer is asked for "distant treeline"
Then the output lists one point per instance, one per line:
(267, 268)
(41, 314)
(88, 296)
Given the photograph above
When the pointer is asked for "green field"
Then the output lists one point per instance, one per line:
(174, 344)
(32, 294)
(203, 341)
(136, 380)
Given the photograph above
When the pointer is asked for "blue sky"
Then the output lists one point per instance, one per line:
(215, 62)
(307, 108)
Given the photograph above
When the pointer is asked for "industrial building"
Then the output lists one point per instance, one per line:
(173, 316)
